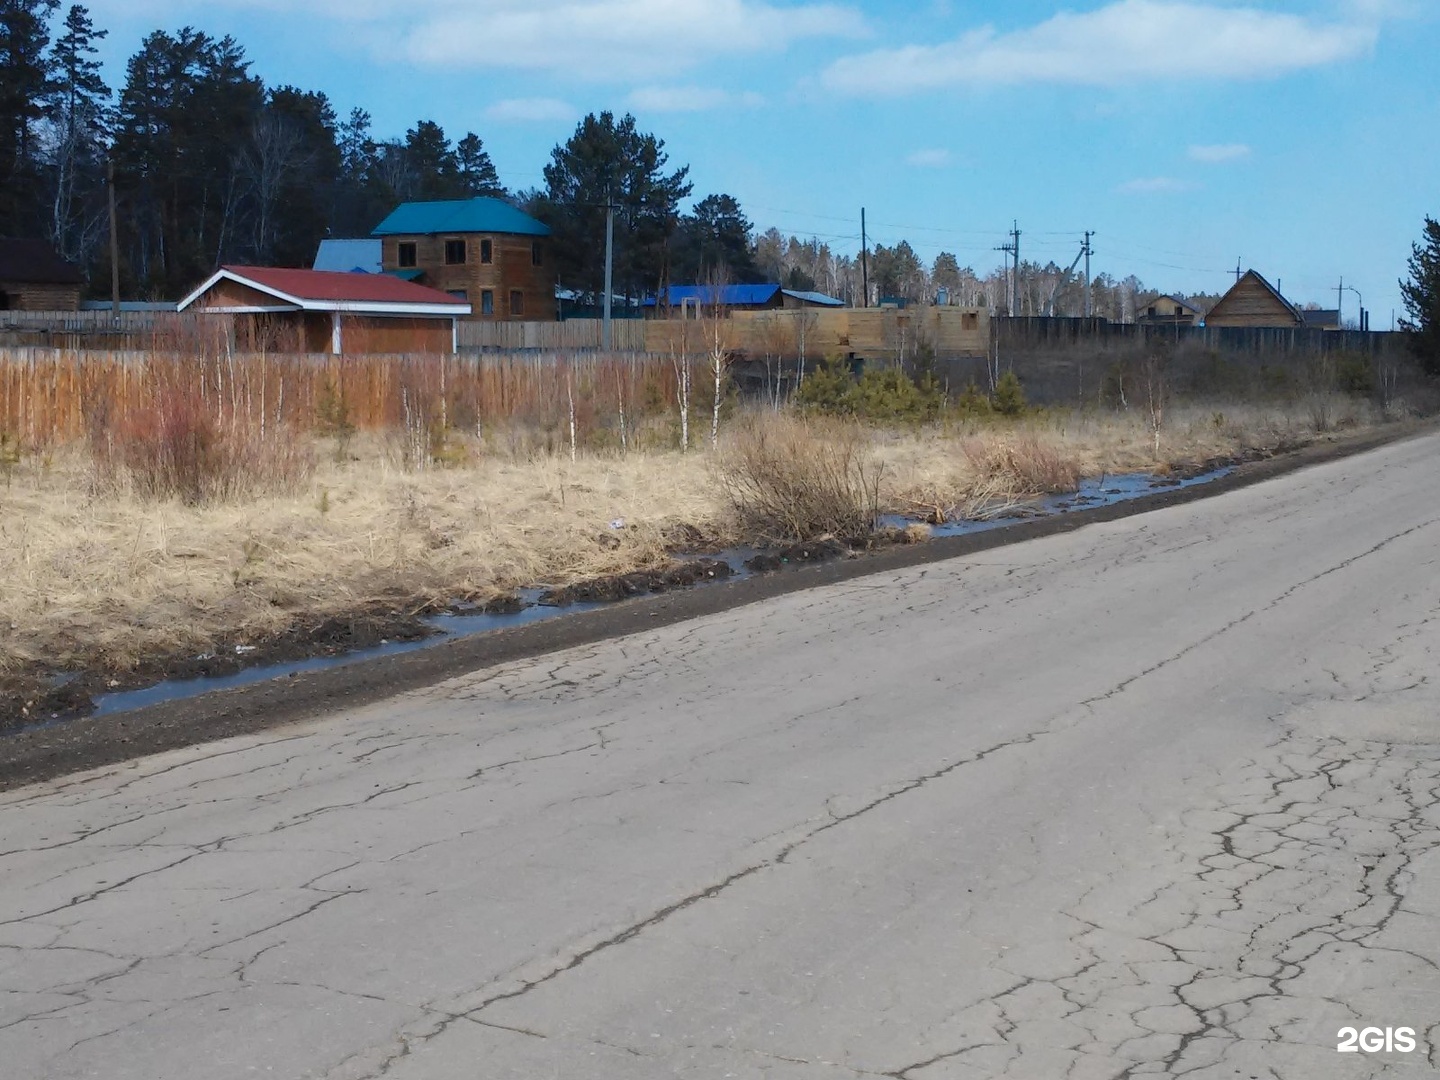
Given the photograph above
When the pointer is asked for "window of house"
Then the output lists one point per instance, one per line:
(1150, 312)
(405, 256)
(537, 257)
(459, 294)
(517, 302)
(454, 252)
(487, 251)
(1179, 310)
(487, 302)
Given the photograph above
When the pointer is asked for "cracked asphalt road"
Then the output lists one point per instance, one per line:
(1153, 798)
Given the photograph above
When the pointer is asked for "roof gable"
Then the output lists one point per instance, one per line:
(478, 215)
(36, 262)
(1247, 282)
(325, 290)
(1166, 298)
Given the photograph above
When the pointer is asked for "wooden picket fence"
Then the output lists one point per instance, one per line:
(50, 396)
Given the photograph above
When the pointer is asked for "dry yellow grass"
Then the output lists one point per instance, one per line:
(93, 576)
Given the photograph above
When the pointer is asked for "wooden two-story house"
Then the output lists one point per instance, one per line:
(483, 251)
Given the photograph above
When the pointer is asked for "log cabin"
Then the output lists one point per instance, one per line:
(34, 278)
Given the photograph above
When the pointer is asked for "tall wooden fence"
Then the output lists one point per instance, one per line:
(1020, 336)
(626, 335)
(54, 395)
(1091, 360)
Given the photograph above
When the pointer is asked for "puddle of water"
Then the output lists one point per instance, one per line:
(1099, 491)
(735, 558)
(448, 626)
(125, 700)
(1096, 491)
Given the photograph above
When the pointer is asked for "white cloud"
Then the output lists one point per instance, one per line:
(1219, 153)
(624, 41)
(615, 40)
(531, 110)
(1156, 185)
(929, 159)
(1125, 41)
(690, 99)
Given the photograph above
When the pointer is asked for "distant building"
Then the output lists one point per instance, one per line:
(1321, 318)
(1253, 301)
(349, 256)
(1167, 311)
(34, 278)
(742, 298)
(482, 251)
(323, 311)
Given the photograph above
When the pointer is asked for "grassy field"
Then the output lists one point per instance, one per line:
(101, 572)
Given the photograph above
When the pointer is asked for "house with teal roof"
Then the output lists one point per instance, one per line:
(484, 251)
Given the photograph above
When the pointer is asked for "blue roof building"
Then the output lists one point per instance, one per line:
(348, 256)
(479, 215)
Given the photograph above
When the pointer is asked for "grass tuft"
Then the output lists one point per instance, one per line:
(790, 479)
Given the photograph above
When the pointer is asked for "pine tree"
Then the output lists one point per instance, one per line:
(477, 172)
(79, 111)
(715, 234)
(1421, 294)
(609, 160)
(432, 163)
(24, 87)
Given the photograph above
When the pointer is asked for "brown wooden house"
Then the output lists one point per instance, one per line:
(323, 311)
(1253, 301)
(483, 251)
(34, 278)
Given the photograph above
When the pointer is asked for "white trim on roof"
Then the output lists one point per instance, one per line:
(300, 303)
(251, 309)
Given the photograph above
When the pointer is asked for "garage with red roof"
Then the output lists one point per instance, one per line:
(325, 311)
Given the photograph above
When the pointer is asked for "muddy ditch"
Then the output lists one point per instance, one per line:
(46, 698)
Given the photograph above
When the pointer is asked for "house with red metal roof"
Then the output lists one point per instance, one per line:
(326, 311)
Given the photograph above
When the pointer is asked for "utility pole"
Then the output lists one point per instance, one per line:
(609, 268)
(864, 261)
(1340, 303)
(1015, 233)
(1238, 272)
(1013, 250)
(1088, 252)
(114, 242)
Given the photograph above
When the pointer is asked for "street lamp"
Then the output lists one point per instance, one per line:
(1361, 300)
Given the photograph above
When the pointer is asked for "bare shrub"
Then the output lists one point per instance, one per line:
(789, 478)
(177, 449)
(1025, 466)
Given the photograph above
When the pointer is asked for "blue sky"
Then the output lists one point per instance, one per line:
(1301, 138)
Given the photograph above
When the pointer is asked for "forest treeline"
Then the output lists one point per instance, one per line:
(211, 166)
